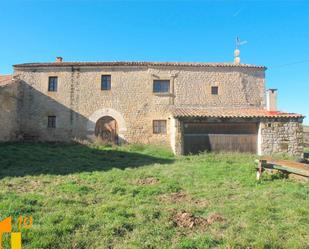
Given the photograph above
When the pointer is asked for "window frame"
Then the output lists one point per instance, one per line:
(160, 128)
(214, 90)
(108, 87)
(161, 81)
(53, 85)
(51, 122)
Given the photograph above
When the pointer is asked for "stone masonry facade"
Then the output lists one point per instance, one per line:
(282, 136)
(8, 109)
(79, 101)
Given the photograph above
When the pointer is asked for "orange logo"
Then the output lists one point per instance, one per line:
(6, 227)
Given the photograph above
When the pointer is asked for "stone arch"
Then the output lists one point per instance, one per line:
(94, 117)
(106, 129)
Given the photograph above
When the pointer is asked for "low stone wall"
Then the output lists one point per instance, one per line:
(282, 136)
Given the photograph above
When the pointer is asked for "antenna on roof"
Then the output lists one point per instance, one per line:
(238, 43)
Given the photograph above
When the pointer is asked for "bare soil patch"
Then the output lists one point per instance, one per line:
(177, 197)
(187, 220)
(147, 181)
(212, 218)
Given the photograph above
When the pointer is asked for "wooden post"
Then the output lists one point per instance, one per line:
(260, 169)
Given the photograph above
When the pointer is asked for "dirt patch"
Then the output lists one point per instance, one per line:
(187, 220)
(147, 181)
(201, 203)
(212, 218)
(181, 196)
(178, 197)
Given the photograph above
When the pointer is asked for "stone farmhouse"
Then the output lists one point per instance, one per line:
(189, 107)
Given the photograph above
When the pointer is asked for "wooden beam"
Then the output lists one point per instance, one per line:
(283, 165)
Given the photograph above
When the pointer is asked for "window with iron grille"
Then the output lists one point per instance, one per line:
(161, 86)
(159, 126)
(214, 90)
(52, 84)
(51, 122)
(106, 82)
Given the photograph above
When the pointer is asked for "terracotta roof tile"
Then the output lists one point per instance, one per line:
(137, 63)
(231, 113)
(4, 79)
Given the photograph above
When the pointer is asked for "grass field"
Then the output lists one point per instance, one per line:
(144, 197)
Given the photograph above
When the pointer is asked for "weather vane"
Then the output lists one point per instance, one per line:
(239, 42)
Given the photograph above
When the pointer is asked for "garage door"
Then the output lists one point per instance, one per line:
(217, 137)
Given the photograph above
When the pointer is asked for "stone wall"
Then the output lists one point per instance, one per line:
(8, 110)
(79, 97)
(236, 88)
(282, 136)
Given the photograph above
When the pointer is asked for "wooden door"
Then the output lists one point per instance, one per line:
(106, 129)
(217, 137)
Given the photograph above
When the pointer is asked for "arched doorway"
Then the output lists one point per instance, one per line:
(107, 130)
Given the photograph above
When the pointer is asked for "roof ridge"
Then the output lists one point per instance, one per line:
(137, 63)
(232, 112)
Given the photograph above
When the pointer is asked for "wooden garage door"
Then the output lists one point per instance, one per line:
(241, 137)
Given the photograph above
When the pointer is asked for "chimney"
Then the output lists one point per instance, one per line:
(271, 100)
(58, 59)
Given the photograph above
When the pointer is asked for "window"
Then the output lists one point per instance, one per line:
(106, 82)
(161, 86)
(51, 122)
(159, 126)
(52, 84)
(214, 90)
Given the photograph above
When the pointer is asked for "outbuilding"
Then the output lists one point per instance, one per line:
(242, 130)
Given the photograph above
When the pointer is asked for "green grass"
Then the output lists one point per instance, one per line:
(89, 197)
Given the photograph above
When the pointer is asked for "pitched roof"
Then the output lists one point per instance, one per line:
(4, 79)
(136, 63)
(231, 113)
